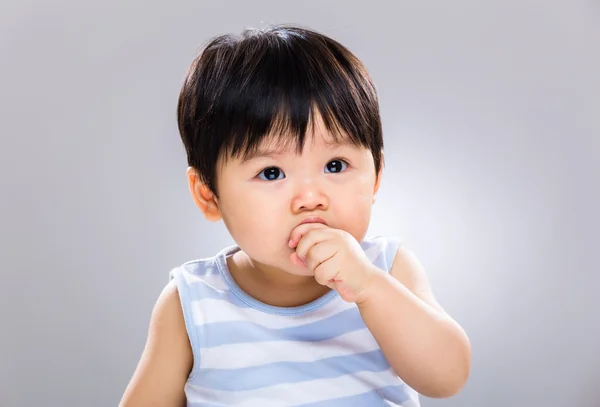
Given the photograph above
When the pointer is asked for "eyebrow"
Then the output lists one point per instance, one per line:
(272, 152)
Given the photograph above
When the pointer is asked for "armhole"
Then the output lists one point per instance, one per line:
(185, 299)
(391, 249)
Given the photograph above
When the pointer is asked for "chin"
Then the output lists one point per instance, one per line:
(298, 271)
(284, 263)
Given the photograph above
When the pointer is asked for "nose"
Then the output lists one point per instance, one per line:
(309, 196)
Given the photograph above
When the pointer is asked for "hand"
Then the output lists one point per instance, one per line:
(334, 258)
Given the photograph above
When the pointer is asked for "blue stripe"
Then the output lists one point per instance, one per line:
(375, 398)
(225, 333)
(255, 377)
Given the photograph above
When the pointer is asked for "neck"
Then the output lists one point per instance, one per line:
(273, 285)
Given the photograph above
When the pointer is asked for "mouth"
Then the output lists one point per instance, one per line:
(313, 219)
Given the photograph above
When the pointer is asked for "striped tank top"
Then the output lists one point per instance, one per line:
(250, 354)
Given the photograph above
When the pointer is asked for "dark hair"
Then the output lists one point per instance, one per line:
(244, 88)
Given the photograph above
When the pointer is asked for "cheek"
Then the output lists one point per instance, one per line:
(254, 221)
(354, 207)
(359, 195)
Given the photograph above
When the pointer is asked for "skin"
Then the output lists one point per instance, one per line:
(263, 211)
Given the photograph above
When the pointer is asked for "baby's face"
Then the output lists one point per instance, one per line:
(262, 200)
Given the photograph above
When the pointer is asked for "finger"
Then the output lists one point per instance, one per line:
(311, 238)
(297, 260)
(321, 276)
(304, 270)
(321, 260)
(301, 230)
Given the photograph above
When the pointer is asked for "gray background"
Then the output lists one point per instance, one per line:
(491, 114)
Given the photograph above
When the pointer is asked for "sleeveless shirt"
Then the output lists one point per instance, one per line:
(250, 354)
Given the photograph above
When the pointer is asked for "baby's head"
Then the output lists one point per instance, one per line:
(280, 125)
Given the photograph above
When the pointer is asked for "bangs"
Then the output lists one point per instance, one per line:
(285, 127)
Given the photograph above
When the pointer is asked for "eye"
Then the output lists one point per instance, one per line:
(336, 166)
(271, 174)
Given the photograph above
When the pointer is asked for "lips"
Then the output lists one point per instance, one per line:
(313, 219)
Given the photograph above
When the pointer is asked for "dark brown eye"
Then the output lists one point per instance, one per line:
(336, 166)
(271, 174)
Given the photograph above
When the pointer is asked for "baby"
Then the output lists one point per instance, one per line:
(284, 144)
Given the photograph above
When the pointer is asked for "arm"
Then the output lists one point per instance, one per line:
(166, 361)
(423, 344)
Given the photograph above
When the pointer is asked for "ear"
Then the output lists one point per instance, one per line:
(378, 179)
(203, 196)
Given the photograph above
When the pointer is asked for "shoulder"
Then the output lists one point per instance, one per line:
(166, 360)
(167, 323)
(392, 255)
(410, 272)
(168, 303)
(202, 268)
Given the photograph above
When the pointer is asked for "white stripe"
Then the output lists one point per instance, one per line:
(213, 280)
(209, 310)
(295, 393)
(237, 356)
